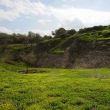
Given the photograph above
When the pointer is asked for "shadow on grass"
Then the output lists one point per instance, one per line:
(31, 71)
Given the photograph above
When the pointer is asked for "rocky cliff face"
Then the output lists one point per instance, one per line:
(49, 60)
(81, 54)
(88, 54)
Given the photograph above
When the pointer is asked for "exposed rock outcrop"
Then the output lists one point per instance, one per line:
(88, 54)
(81, 54)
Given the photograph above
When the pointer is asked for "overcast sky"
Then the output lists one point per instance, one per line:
(43, 16)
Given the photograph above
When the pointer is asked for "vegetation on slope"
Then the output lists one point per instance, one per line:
(62, 39)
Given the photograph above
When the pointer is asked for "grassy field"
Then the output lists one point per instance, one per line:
(54, 89)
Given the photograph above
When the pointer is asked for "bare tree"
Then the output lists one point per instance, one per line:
(29, 59)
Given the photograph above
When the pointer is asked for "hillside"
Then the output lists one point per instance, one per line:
(88, 48)
(67, 82)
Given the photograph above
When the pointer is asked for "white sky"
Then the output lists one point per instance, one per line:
(43, 16)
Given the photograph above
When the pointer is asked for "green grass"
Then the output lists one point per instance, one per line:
(54, 89)
(57, 51)
(20, 46)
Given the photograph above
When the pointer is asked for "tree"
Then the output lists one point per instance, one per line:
(71, 32)
(34, 37)
(29, 60)
(62, 33)
(4, 40)
(47, 37)
(59, 33)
